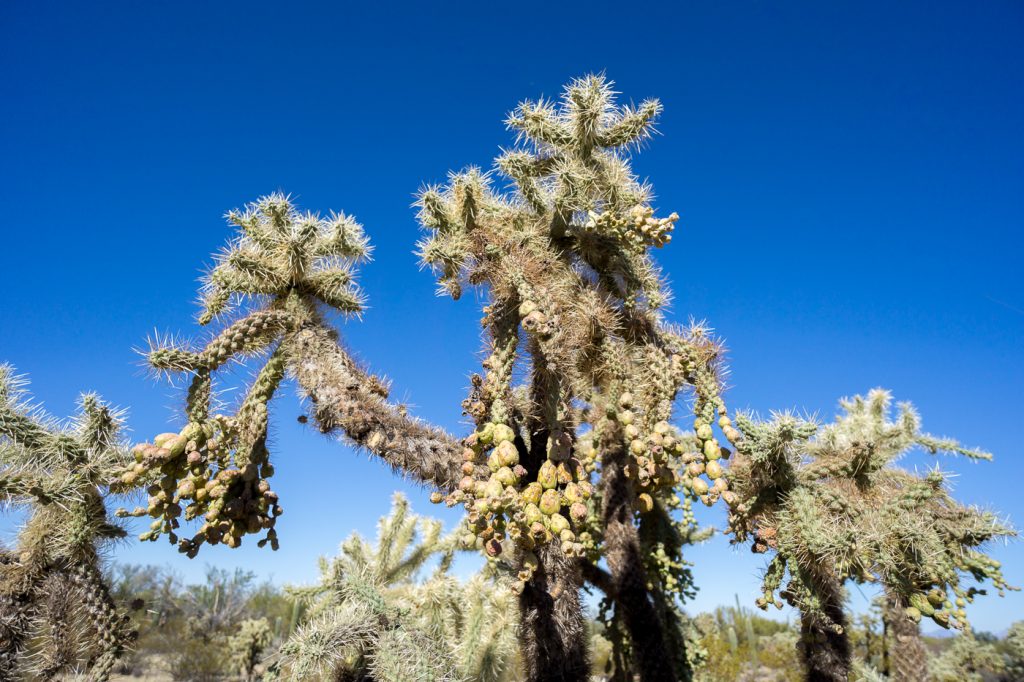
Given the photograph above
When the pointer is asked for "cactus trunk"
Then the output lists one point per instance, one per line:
(551, 621)
(825, 648)
(909, 660)
(628, 577)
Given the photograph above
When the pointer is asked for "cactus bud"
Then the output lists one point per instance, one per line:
(506, 452)
(494, 488)
(532, 493)
(486, 434)
(526, 307)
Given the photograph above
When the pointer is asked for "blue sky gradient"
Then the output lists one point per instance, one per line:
(849, 177)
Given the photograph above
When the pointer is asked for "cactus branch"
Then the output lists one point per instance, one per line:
(347, 399)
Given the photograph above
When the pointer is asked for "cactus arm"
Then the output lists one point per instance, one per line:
(935, 445)
(598, 577)
(347, 399)
(633, 127)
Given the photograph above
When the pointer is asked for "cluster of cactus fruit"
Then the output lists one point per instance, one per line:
(638, 227)
(198, 478)
(503, 506)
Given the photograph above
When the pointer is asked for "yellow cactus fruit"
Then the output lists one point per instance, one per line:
(485, 435)
(547, 476)
(550, 502)
(506, 452)
(558, 523)
(503, 434)
(163, 438)
(532, 492)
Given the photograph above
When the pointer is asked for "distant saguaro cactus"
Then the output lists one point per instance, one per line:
(831, 505)
(55, 606)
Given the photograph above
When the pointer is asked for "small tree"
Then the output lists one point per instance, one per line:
(1014, 646)
(966, 660)
(248, 644)
(54, 601)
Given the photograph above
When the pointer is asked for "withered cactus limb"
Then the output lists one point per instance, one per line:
(345, 398)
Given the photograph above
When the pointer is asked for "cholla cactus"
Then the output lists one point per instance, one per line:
(967, 660)
(248, 644)
(574, 299)
(56, 612)
(833, 508)
(1014, 651)
(371, 617)
(281, 276)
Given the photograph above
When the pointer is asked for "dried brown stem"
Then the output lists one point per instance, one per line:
(348, 399)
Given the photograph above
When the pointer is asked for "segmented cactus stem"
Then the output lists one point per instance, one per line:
(347, 399)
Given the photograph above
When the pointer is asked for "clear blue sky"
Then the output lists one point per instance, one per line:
(849, 176)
